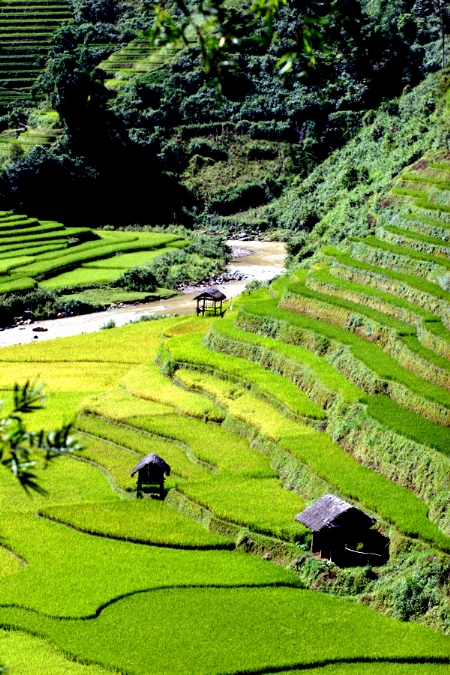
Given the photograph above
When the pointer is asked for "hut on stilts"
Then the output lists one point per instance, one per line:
(150, 471)
(210, 302)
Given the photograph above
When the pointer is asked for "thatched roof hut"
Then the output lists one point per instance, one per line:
(152, 460)
(342, 533)
(327, 512)
(212, 294)
(208, 300)
(150, 471)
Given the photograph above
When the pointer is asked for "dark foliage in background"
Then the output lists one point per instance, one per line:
(122, 155)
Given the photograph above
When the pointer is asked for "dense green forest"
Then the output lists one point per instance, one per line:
(171, 149)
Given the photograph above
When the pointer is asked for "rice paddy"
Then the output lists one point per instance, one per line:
(39, 253)
(333, 381)
(25, 34)
(152, 522)
(290, 620)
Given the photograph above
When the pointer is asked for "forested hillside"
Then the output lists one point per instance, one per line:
(141, 121)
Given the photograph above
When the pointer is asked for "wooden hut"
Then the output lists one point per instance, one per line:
(210, 301)
(150, 471)
(342, 533)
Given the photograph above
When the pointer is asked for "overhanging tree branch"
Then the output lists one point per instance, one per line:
(222, 33)
(21, 450)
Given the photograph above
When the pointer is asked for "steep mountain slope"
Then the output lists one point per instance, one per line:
(26, 31)
(335, 379)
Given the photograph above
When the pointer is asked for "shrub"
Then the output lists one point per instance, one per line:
(255, 285)
(137, 279)
(109, 324)
(40, 302)
(414, 595)
(16, 152)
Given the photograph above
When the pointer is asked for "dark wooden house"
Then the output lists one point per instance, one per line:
(150, 471)
(210, 302)
(343, 534)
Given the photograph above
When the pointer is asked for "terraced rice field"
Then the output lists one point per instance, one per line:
(135, 59)
(26, 29)
(44, 253)
(335, 380)
(44, 128)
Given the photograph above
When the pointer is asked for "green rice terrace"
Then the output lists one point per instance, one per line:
(18, 141)
(334, 380)
(135, 58)
(26, 29)
(45, 254)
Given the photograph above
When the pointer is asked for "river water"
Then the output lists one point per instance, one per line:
(265, 262)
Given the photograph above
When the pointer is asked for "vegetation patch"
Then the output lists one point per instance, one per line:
(408, 424)
(35, 655)
(189, 349)
(321, 370)
(118, 405)
(147, 521)
(278, 610)
(258, 502)
(69, 483)
(209, 443)
(70, 566)
(147, 382)
(128, 445)
(328, 461)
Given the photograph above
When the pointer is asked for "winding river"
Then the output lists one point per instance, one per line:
(265, 261)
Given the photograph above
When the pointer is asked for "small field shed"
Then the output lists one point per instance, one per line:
(343, 534)
(150, 471)
(210, 302)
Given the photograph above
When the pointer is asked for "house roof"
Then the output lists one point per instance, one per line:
(212, 293)
(152, 459)
(326, 510)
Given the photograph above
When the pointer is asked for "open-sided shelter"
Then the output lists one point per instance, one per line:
(342, 533)
(210, 301)
(150, 471)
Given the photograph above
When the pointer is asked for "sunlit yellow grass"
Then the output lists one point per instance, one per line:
(243, 405)
(56, 377)
(9, 563)
(193, 325)
(118, 405)
(135, 343)
(30, 655)
(148, 382)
